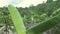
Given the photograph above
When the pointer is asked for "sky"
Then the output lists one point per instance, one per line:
(21, 3)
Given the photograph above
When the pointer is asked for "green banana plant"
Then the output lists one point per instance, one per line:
(45, 25)
(17, 20)
(36, 29)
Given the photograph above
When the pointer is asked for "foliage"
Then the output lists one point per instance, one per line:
(32, 16)
(45, 25)
(17, 20)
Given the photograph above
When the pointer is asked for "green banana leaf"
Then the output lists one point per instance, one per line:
(36, 29)
(45, 25)
(17, 20)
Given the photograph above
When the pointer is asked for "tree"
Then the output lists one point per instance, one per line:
(49, 1)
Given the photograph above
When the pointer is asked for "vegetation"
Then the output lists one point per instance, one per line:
(17, 20)
(33, 19)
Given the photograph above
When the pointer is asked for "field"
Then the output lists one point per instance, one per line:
(41, 19)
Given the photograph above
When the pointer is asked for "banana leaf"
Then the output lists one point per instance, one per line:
(45, 25)
(17, 20)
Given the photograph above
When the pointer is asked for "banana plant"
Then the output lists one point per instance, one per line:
(45, 25)
(36, 29)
